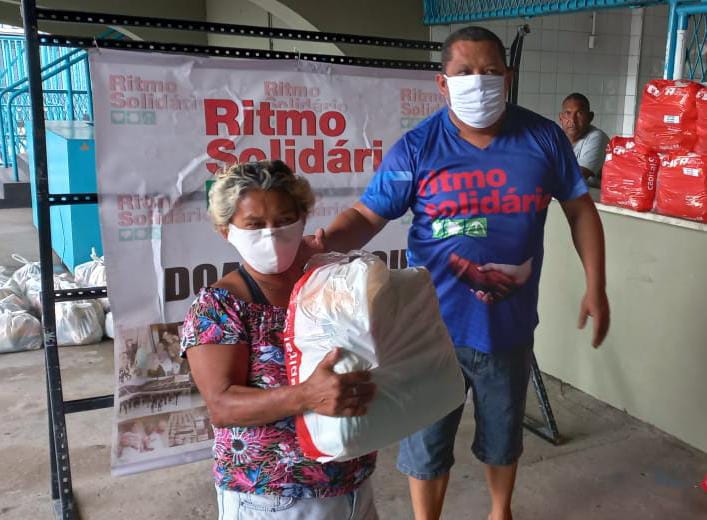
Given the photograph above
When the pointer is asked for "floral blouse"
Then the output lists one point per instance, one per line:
(263, 459)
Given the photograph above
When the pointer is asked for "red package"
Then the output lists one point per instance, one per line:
(682, 187)
(667, 121)
(629, 174)
(701, 145)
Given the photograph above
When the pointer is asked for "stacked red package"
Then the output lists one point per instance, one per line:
(701, 145)
(629, 174)
(668, 116)
(682, 187)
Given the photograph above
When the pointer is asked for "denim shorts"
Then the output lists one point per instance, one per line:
(357, 505)
(499, 384)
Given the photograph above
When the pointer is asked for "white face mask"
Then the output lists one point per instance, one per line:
(478, 100)
(268, 250)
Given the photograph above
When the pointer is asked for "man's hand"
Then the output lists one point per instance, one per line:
(338, 395)
(588, 238)
(311, 245)
(596, 305)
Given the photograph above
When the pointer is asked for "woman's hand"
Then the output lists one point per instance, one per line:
(337, 395)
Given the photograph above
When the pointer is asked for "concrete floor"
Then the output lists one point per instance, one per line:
(611, 467)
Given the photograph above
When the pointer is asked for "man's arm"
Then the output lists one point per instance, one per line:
(586, 172)
(588, 238)
(352, 229)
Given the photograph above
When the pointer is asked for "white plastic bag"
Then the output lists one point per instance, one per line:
(29, 271)
(77, 322)
(33, 295)
(110, 328)
(10, 288)
(93, 274)
(385, 321)
(19, 330)
(4, 276)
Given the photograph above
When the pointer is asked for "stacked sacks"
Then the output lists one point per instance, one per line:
(682, 187)
(667, 121)
(93, 274)
(77, 322)
(19, 329)
(701, 145)
(628, 176)
(672, 124)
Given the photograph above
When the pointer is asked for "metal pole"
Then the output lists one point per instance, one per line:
(3, 145)
(680, 38)
(11, 135)
(69, 91)
(64, 505)
(53, 475)
(670, 44)
(89, 91)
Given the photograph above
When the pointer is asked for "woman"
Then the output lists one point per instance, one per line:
(233, 339)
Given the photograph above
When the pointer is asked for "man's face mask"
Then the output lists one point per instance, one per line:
(478, 100)
(268, 250)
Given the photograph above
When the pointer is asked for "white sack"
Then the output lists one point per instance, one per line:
(10, 288)
(19, 330)
(110, 328)
(29, 271)
(93, 274)
(77, 322)
(385, 321)
(4, 276)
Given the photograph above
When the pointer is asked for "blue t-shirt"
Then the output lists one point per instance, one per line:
(473, 207)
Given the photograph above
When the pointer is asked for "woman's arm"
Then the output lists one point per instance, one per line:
(221, 373)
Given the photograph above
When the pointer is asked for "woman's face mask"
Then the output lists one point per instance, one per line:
(268, 250)
(478, 100)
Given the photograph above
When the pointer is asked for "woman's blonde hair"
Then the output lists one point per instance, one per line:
(234, 181)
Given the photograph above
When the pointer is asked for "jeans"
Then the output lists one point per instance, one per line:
(357, 505)
(499, 384)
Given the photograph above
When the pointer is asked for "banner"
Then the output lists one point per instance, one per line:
(163, 125)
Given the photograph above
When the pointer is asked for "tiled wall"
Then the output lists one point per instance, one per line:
(655, 31)
(629, 49)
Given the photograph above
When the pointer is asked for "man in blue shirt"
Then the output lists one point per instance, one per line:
(479, 177)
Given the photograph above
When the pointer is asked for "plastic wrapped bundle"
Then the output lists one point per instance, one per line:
(19, 330)
(667, 121)
(628, 178)
(93, 274)
(30, 271)
(78, 322)
(110, 327)
(9, 287)
(385, 321)
(701, 145)
(682, 187)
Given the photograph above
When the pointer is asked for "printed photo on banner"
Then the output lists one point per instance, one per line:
(152, 377)
(150, 353)
(152, 435)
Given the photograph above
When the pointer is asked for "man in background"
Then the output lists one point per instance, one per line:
(588, 142)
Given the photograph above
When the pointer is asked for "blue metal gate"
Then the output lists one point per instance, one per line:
(67, 92)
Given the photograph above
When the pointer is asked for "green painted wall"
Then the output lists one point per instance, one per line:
(653, 364)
